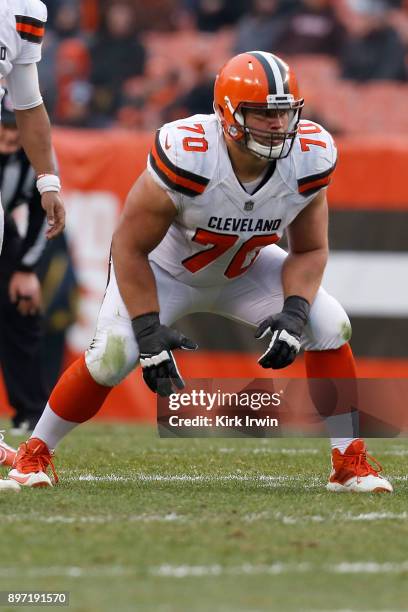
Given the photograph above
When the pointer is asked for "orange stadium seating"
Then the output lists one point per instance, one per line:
(346, 107)
(180, 50)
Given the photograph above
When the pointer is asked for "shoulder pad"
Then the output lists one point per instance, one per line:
(31, 16)
(315, 157)
(181, 154)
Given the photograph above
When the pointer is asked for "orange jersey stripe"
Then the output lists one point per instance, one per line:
(179, 180)
(319, 183)
(29, 29)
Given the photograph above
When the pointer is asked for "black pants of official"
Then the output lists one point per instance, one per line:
(20, 350)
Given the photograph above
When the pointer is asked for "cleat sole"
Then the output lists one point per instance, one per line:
(334, 487)
(41, 485)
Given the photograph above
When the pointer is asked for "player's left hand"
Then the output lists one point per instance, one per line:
(52, 204)
(25, 292)
(286, 329)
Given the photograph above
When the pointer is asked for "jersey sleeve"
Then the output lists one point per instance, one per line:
(31, 29)
(7, 38)
(316, 159)
(23, 87)
(174, 170)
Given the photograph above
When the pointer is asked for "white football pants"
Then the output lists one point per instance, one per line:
(251, 298)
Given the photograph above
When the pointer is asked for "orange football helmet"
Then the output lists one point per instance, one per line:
(258, 80)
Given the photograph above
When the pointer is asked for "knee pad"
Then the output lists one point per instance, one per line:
(329, 337)
(110, 357)
(329, 326)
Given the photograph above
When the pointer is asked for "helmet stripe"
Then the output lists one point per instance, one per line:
(284, 74)
(272, 71)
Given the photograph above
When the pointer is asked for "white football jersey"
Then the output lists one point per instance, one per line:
(22, 24)
(220, 228)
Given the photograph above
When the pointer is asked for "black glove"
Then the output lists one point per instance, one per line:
(156, 342)
(286, 329)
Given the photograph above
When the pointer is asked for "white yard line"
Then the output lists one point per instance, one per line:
(284, 518)
(377, 516)
(261, 480)
(264, 480)
(336, 517)
(173, 517)
(396, 452)
(266, 450)
(369, 567)
(98, 519)
(192, 478)
(269, 451)
(67, 572)
(186, 571)
(205, 571)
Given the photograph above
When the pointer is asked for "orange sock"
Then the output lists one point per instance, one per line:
(336, 363)
(77, 397)
(337, 394)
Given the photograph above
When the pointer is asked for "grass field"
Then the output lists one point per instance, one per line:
(143, 524)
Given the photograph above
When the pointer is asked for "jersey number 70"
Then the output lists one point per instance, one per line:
(220, 244)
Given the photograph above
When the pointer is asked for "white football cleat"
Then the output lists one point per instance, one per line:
(31, 464)
(7, 453)
(351, 472)
(9, 485)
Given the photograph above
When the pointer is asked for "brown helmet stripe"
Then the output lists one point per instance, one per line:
(284, 74)
(272, 85)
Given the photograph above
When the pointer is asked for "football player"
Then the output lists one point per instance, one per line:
(22, 25)
(199, 233)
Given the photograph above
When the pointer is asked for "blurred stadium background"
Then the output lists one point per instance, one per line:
(114, 71)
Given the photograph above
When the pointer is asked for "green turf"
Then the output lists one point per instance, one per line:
(254, 524)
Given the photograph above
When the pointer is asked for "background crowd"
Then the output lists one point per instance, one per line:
(133, 64)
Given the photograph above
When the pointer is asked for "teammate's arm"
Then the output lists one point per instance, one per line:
(35, 137)
(301, 277)
(145, 220)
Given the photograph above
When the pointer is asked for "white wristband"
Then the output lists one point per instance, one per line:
(48, 182)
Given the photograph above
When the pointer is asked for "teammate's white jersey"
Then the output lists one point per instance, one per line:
(22, 24)
(220, 228)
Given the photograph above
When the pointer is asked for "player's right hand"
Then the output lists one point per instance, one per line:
(52, 204)
(286, 329)
(156, 342)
